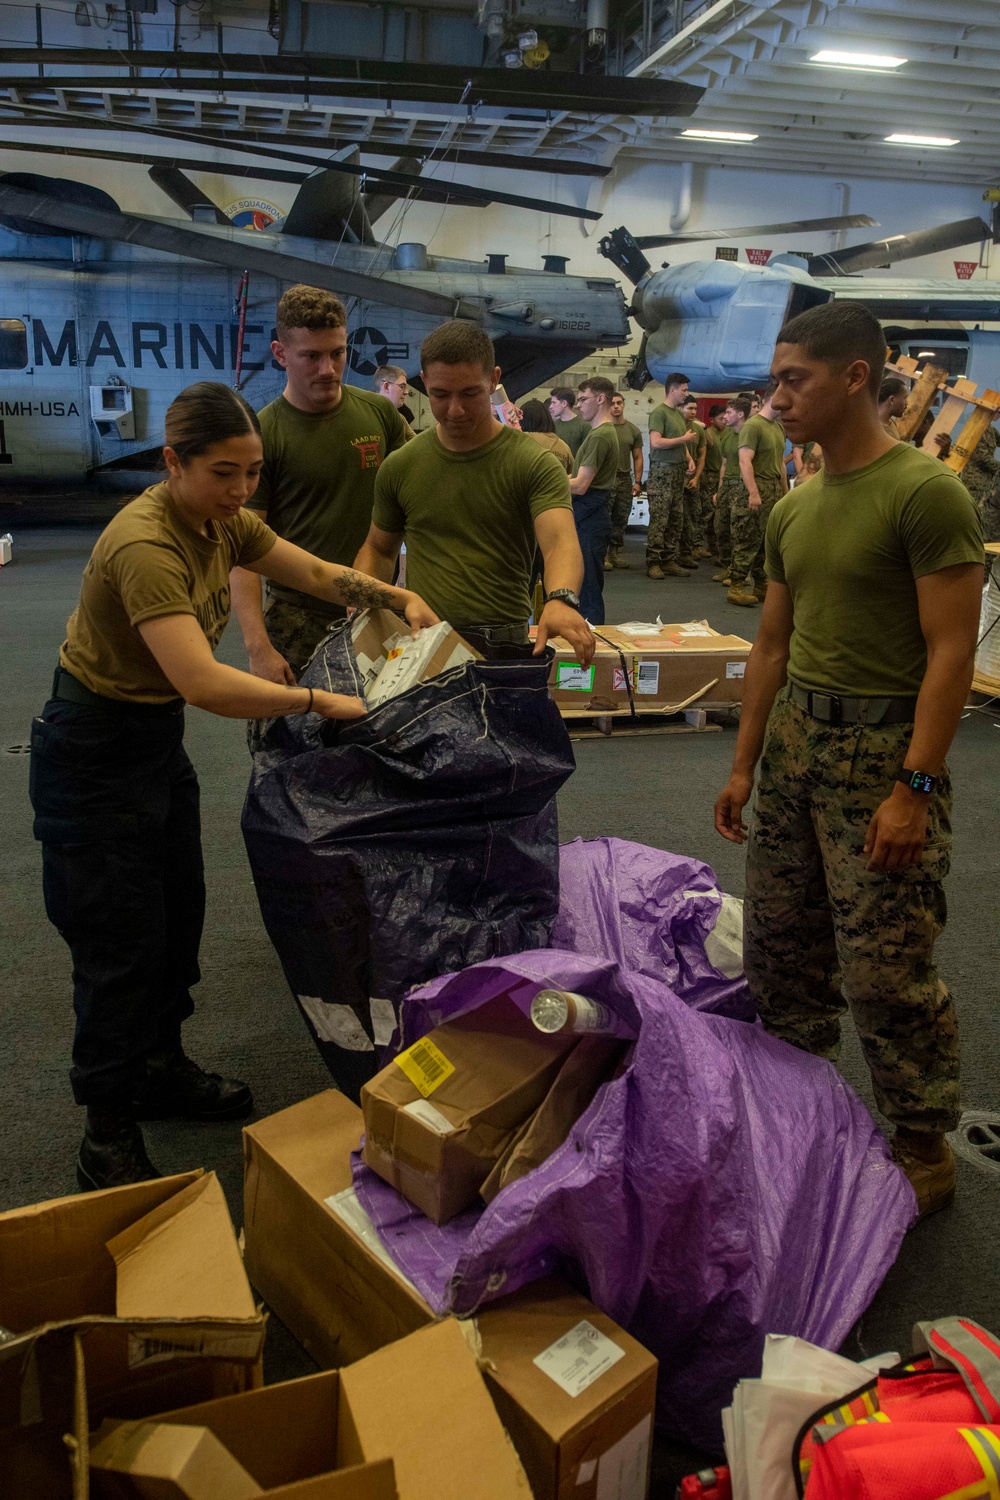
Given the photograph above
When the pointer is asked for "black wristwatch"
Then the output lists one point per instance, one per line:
(920, 781)
(564, 596)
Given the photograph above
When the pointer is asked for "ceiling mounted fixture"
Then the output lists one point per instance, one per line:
(871, 61)
(921, 140)
(719, 135)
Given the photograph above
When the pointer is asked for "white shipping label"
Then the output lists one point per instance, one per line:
(647, 677)
(579, 1358)
(736, 668)
(424, 1111)
(623, 1471)
(574, 679)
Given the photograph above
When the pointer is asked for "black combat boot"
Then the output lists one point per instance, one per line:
(112, 1153)
(175, 1088)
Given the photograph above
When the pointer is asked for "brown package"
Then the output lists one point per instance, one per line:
(439, 1117)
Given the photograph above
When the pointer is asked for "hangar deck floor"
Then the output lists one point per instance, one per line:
(657, 790)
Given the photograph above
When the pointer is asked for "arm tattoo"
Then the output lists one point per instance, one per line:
(362, 592)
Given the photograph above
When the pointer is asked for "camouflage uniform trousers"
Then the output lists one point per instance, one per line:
(621, 509)
(749, 528)
(823, 934)
(708, 486)
(295, 631)
(989, 511)
(669, 533)
(730, 492)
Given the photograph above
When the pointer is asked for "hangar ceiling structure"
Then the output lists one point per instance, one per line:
(752, 59)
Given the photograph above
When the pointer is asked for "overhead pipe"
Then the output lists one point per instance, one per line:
(679, 218)
(844, 188)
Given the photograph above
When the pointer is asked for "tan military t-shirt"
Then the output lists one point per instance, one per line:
(148, 562)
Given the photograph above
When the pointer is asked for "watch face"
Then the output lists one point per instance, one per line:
(920, 781)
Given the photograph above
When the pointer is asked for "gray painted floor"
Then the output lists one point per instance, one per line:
(656, 790)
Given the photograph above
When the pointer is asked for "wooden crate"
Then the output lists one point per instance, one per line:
(966, 412)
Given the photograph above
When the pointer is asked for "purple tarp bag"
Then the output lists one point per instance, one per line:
(725, 1186)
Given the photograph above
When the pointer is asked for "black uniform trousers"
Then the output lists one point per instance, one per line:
(116, 807)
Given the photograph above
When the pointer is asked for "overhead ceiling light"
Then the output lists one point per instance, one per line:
(857, 60)
(922, 140)
(719, 135)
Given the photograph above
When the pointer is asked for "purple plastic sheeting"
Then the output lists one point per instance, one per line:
(652, 913)
(724, 1187)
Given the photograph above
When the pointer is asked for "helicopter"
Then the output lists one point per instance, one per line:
(718, 320)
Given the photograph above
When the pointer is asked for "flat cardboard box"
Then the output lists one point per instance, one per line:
(582, 1418)
(286, 1437)
(439, 1117)
(162, 1461)
(673, 667)
(423, 1403)
(342, 1298)
(374, 635)
(121, 1302)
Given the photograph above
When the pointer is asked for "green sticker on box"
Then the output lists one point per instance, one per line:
(573, 679)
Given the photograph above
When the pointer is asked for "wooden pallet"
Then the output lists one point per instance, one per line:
(590, 725)
(965, 410)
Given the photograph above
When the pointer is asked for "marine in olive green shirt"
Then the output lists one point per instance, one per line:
(629, 444)
(765, 438)
(573, 432)
(849, 547)
(468, 521)
(148, 562)
(668, 421)
(713, 453)
(599, 451)
(317, 486)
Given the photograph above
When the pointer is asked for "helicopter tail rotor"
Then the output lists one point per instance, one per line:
(622, 250)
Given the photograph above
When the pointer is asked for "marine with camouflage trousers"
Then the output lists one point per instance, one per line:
(692, 485)
(762, 468)
(981, 477)
(668, 541)
(324, 443)
(731, 491)
(710, 470)
(628, 480)
(854, 689)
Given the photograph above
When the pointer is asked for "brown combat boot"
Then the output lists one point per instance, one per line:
(737, 595)
(933, 1182)
(760, 591)
(722, 576)
(609, 563)
(687, 561)
(655, 572)
(674, 570)
(621, 561)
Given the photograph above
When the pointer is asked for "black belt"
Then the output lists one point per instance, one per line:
(834, 708)
(498, 635)
(70, 689)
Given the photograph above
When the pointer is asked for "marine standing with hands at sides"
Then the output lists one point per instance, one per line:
(570, 426)
(324, 442)
(472, 499)
(628, 481)
(116, 797)
(765, 480)
(671, 441)
(592, 485)
(854, 689)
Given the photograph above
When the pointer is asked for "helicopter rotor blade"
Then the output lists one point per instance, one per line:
(899, 247)
(182, 191)
(329, 206)
(798, 226)
(234, 254)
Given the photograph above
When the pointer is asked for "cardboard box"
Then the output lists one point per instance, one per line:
(286, 1437)
(337, 1290)
(669, 668)
(439, 1117)
(120, 1303)
(391, 660)
(575, 1392)
(418, 1408)
(161, 1461)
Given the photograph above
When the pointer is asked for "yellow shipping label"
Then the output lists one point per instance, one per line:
(425, 1066)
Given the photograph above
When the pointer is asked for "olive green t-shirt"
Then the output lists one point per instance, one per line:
(317, 486)
(849, 547)
(599, 451)
(713, 452)
(468, 521)
(766, 440)
(573, 432)
(729, 449)
(669, 422)
(629, 439)
(149, 562)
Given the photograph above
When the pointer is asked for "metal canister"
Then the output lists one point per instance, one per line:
(553, 1011)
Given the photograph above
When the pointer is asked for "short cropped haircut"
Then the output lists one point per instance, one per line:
(675, 379)
(563, 393)
(458, 343)
(599, 385)
(740, 404)
(892, 386)
(387, 375)
(748, 395)
(691, 401)
(716, 410)
(838, 333)
(309, 307)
